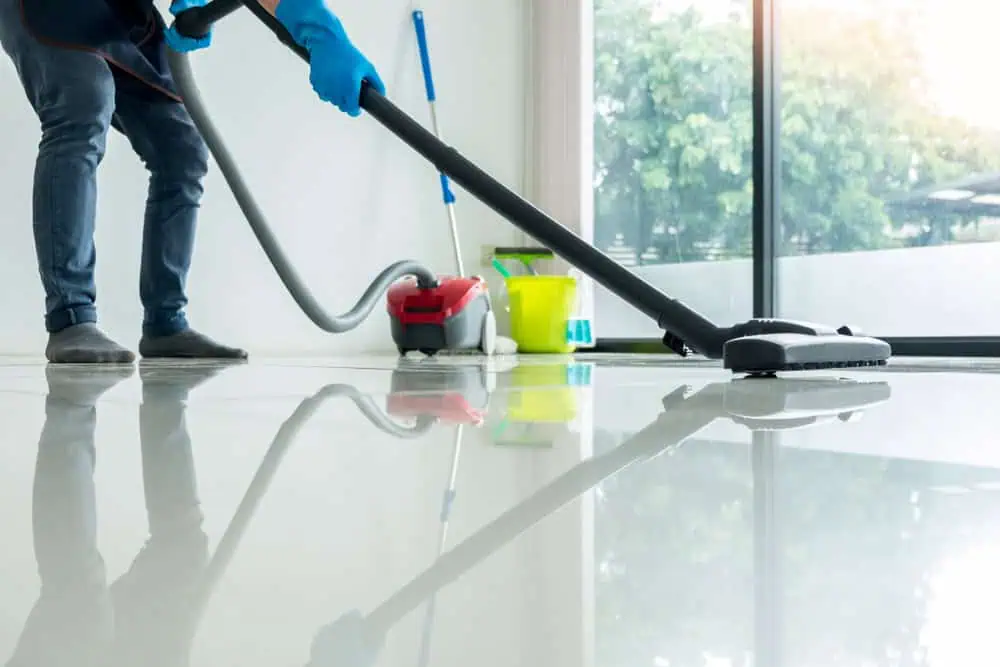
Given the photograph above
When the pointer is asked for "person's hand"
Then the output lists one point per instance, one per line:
(178, 42)
(338, 70)
(337, 73)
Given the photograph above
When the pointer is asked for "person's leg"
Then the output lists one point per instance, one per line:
(165, 138)
(72, 93)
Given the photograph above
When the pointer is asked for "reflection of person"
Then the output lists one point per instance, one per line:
(87, 65)
(144, 618)
(72, 623)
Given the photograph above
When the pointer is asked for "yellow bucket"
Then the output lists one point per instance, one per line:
(540, 310)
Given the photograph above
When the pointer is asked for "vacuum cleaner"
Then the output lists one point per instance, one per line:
(430, 313)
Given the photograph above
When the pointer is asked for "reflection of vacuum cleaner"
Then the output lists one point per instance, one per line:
(457, 395)
(284, 439)
(447, 394)
(433, 314)
(355, 639)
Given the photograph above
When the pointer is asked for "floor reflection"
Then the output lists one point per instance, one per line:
(145, 616)
(740, 553)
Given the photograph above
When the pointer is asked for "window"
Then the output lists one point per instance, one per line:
(672, 154)
(890, 178)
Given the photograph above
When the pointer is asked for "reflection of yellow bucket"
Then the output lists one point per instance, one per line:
(540, 310)
(541, 394)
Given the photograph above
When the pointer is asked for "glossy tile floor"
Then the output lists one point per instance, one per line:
(608, 511)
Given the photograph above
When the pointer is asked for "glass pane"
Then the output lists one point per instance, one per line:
(890, 144)
(672, 154)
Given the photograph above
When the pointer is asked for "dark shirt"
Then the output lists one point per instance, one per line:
(127, 33)
(134, 13)
(138, 17)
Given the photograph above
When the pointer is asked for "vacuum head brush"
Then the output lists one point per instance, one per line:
(765, 347)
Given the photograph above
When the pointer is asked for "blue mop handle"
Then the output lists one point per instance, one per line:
(425, 54)
(425, 64)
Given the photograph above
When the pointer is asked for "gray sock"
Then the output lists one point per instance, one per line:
(187, 344)
(85, 344)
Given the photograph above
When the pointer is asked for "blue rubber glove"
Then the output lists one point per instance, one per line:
(337, 69)
(178, 42)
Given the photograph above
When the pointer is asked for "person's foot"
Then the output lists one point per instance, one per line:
(187, 344)
(85, 344)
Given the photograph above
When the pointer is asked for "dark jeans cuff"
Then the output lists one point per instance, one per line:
(67, 317)
(158, 324)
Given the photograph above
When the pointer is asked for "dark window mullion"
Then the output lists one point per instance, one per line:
(766, 156)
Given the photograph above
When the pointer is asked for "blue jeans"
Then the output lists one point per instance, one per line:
(77, 98)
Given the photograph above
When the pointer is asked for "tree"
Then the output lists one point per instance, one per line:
(673, 131)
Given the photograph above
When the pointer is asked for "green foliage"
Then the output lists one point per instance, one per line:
(673, 132)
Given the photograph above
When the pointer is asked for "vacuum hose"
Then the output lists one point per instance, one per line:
(184, 78)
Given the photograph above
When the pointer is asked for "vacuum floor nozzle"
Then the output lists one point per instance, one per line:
(766, 354)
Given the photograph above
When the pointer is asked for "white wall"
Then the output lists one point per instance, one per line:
(347, 197)
(942, 291)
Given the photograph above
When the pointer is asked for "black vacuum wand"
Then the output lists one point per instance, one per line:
(760, 346)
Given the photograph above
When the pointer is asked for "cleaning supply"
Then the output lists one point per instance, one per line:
(540, 311)
(447, 195)
(454, 316)
(576, 329)
(523, 259)
(500, 268)
(337, 68)
(526, 257)
(490, 341)
(579, 330)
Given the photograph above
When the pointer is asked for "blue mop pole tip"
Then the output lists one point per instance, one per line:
(425, 56)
